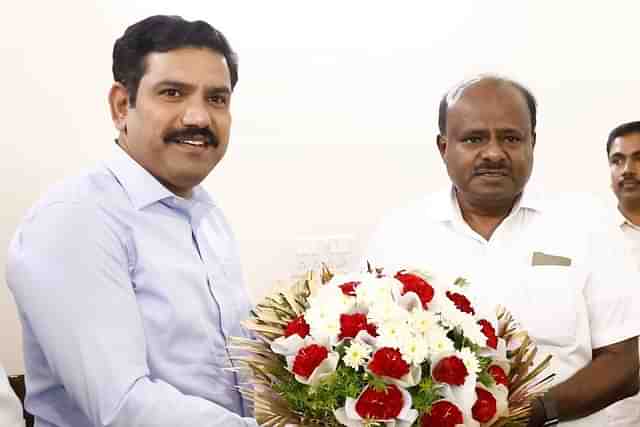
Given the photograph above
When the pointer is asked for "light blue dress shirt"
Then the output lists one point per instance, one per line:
(127, 296)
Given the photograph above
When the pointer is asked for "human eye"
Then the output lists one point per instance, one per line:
(170, 92)
(512, 139)
(615, 161)
(218, 99)
(471, 140)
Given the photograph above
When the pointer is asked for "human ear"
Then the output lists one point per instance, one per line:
(442, 144)
(119, 105)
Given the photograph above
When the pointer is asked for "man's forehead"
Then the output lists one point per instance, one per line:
(483, 91)
(503, 105)
(628, 144)
(492, 100)
(186, 65)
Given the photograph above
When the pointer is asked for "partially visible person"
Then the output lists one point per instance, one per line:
(623, 152)
(10, 407)
(564, 282)
(127, 277)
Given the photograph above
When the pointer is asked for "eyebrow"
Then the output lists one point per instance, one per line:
(474, 130)
(621, 154)
(183, 85)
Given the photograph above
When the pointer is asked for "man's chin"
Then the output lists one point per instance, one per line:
(629, 196)
(490, 196)
(497, 190)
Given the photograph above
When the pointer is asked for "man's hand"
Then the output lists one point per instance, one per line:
(612, 375)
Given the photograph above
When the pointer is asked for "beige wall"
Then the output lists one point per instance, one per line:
(335, 112)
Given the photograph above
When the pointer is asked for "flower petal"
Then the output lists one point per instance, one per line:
(327, 367)
(287, 346)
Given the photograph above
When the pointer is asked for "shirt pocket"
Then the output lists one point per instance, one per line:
(550, 308)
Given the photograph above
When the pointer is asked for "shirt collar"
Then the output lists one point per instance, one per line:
(622, 220)
(443, 206)
(143, 188)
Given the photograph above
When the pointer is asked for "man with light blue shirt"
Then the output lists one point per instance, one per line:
(127, 278)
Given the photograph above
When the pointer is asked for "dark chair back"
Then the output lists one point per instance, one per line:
(17, 384)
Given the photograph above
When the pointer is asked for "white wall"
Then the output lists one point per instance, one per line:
(335, 112)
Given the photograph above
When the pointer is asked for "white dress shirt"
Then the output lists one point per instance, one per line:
(568, 310)
(127, 296)
(626, 413)
(10, 407)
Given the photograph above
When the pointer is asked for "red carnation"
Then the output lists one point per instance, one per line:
(461, 302)
(388, 362)
(442, 414)
(450, 370)
(413, 283)
(498, 374)
(485, 407)
(297, 326)
(308, 359)
(380, 405)
(349, 288)
(351, 324)
(489, 332)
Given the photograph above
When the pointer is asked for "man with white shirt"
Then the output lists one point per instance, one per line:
(623, 151)
(127, 277)
(10, 407)
(564, 283)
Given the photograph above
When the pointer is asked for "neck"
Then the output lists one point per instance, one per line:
(631, 212)
(484, 216)
(122, 142)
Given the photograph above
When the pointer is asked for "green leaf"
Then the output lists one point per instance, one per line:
(377, 383)
(485, 379)
(424, 394)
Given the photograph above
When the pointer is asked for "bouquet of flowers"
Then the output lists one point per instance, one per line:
(386, 349)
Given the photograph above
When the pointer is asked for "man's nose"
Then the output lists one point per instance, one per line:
(493, 150)
(629, 168)
(196, 115)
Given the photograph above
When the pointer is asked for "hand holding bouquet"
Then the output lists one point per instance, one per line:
(386, 349)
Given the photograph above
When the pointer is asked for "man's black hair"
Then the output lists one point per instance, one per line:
(161, 33)
(622, 130)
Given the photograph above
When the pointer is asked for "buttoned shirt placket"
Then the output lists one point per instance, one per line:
(193, 212)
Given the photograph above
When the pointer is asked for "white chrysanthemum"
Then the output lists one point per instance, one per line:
(374, 290)
(421, 321)
(321, 313)
(357, 354)
(470, 360)
(332, 296)
(473, 332)
(438, 341)
(326, 331)
(414, 350)
(323, 321)
(386, 310)
(452, 317)
(392, 334)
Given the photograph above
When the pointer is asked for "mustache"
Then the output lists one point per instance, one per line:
(189, 133)
(492, 167)
(628, 180)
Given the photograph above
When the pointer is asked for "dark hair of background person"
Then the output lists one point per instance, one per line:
(622, 130)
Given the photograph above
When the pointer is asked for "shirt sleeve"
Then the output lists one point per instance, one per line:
(68, 268)
(10, 407)
(612, 290)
